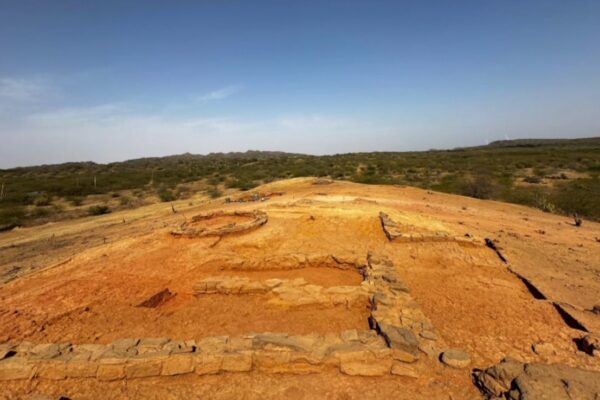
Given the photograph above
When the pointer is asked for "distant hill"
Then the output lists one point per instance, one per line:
(556, 175)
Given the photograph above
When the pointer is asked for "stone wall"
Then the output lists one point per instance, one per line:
(191, 229)
(295, 292)
(400, 334)
(396, 232)
(353, 352)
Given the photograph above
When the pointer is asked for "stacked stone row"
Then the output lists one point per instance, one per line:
(353, 352)
(395, 314)
(286, 292)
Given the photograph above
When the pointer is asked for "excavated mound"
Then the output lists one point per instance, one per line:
(349, 291)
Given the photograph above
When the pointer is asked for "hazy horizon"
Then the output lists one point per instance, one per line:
(112, 81)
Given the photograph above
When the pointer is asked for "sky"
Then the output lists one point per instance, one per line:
(113, 80)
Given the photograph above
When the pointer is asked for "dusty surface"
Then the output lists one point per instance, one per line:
(89, 275)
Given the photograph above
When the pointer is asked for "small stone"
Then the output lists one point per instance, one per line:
(544, 349)
(456, 358)
(591, 345)
(404, 356)
(429, 335)
(401, 369)
(349, 335)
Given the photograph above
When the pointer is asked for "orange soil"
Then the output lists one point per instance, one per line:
(468, 294)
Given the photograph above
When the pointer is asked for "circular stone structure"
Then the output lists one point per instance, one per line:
(201, 226)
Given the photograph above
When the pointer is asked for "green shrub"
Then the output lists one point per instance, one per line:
(214, 192)
(41, 200)
(98, 210)
(75, 200)
(166, 196)
(532, 179)
(480, 187)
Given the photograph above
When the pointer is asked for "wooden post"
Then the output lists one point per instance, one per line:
(2, 191)
(94, 181)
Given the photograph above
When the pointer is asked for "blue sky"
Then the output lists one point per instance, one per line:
(113, 80)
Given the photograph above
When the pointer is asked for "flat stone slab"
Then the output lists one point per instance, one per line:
(456, 358)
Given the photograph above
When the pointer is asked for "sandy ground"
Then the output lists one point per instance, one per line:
(80, 281)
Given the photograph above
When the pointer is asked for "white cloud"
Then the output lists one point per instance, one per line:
(219, 94)
(21, 89)
(113, 132)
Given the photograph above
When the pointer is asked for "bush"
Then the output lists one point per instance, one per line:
(214, 192)
(76, 200)
(125, 201)
(543, 203)
(98, 210)
(11, 217)
(166, 196)
(41, 200)
(480, 187)
(532, 179)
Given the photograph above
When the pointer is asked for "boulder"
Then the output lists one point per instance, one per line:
(513, 380)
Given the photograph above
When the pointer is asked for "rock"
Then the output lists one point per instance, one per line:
(149, 345)
(7, 350)
(544, 349)
(143, 369)
(402, 369)
(590, 344)
(213, 344)
(180, 346)
(177, 365)
(123, 345)
(456, 358)
(110, 372)
(53, 370)
(274, 341)
(404, 356)
(272, 361)
(364, 368)
(497, 380)
(208, 364)
(350, 335)
(399, 338)
(429, 335)
(95, 351)
(81, 369)
(517, 381)
(45, 351)
(237, 362)
(16, 368)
